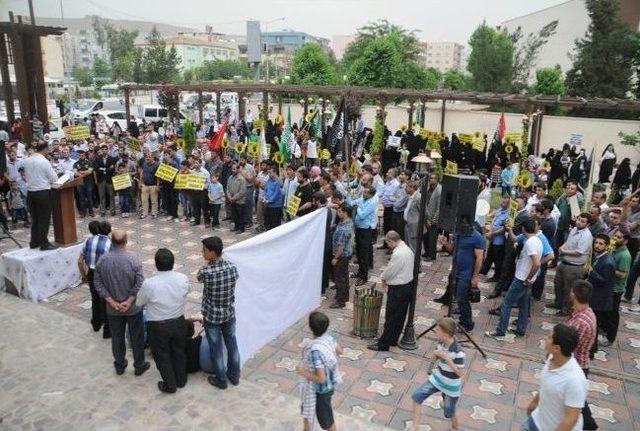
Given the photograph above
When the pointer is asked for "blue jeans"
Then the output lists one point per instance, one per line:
(427, 389)
(125, 200)
(518, 294)
(529, 425)
(462, 298)
(215, 333)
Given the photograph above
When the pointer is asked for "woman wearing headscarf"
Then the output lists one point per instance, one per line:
(621, 180)
(606, 166)
(635, 179)
(578, 167)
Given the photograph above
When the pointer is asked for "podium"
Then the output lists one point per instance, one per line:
(64, 212)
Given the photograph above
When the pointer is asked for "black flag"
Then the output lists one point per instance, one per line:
(338, 130)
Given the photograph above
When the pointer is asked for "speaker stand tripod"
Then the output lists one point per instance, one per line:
(451, 288)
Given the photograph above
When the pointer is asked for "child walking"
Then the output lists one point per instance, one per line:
(446, 374)
(319, 369)
(215, 192)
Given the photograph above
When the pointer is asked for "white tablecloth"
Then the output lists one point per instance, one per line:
(40, 274)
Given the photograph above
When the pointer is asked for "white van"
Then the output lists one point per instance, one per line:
(83, 108)
(155, 113)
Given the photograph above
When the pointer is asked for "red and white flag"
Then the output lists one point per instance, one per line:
(502, 127)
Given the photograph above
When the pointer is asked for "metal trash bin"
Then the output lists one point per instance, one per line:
(367, 303)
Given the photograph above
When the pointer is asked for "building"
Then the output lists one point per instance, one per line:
(443, 56)
(193, 52)
(288, 41)
(573, 23)
(339, 43)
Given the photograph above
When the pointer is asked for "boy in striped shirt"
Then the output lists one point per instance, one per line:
(446, 375)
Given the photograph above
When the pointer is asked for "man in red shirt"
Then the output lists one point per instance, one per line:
(583, 319)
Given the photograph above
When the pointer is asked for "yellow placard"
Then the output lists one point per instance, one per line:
(134, 145)
(465, 138)
(294, 204)
(513, 137)
(477, 143)
(166, 172)
(451, 168)
(195, 182)
(77, 132)
(513, 211)
(181, 182)
(121, 182)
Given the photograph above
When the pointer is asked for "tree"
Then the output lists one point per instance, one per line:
(381, 28)
(217, 69)
(454, 80)
(526, 53)
(549, 81)
(101, 71)
(311, 65)
(604, 59)
(160, 64)
(82, 76)
(491, 60)
(120, 45)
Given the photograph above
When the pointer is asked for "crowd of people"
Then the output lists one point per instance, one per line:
(593, 247)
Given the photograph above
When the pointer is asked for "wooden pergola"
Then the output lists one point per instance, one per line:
(384, 96)
(20, 45)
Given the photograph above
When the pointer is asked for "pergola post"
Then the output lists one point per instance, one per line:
(242, 106)
(442, 115)
(265, 107)
(280, 104)
(6, 80)
(127, 107)
(323, 119)
(305, 108)
(423, 106)
(200, 113)
(40, 88)
(218, 111)
(20, 69)
(410, 115)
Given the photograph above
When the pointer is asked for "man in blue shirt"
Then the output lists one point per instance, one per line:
(467, 262)
(365, 222)
(341, 254)
(389, 189)
(273, 200)
(495, 254)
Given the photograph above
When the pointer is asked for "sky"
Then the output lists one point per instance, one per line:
(435, 20)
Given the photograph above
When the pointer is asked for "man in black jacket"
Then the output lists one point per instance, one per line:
(601, 274)
(104, 167)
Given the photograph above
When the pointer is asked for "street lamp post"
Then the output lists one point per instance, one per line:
(408, 341)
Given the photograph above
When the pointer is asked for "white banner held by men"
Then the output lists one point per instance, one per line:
(280, 273)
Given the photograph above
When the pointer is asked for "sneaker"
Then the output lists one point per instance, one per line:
(140, 371)
(217, 383)
(142, 216)
(176, 220)
(494, 334)
(516, 332)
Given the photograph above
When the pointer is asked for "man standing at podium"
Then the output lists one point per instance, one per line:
(39, 175)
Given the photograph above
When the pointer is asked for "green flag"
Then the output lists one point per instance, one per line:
(285, 138)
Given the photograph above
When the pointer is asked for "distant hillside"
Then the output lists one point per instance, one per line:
(74, 25)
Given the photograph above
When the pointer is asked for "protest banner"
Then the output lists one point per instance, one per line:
(166, 172)
(477, 143)
(121, 182)
(134, 145)
(181, 182)
(195, 182)
(451, 168)
(76, 133)
(393, 141)
(292, 208)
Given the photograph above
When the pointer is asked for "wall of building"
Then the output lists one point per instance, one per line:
(52, 56)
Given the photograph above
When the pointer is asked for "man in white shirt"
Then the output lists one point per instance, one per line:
(312, 152)
(39, 175)
(527, 269)
(65, 164)
(289, 187)
(164, 296)
(396, 279)
(563, 386)
(411, 216)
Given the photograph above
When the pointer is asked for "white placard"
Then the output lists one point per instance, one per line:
(393, 141)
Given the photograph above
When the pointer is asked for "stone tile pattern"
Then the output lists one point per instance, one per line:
(378, 385)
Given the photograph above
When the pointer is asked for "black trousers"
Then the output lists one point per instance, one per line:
(387, 217)
(118, 325)
(397, 223)
(508, 270)
(200, 203)
(40, 209)
(272, 217)
(430, 240)
(398, 298)
(588, 423)
(611, 319)
(169, 199)
(341, 278)
(237, 215)
(214, 211)
(98, 308)
(167, 340)
(495, 256)
(364, 249)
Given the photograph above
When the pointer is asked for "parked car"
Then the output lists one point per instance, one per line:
(155, 113)
(83, 108)
(112, 117)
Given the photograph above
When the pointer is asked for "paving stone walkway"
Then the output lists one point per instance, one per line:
(378, 385)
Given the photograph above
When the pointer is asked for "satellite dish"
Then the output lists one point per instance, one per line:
(482, 208)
